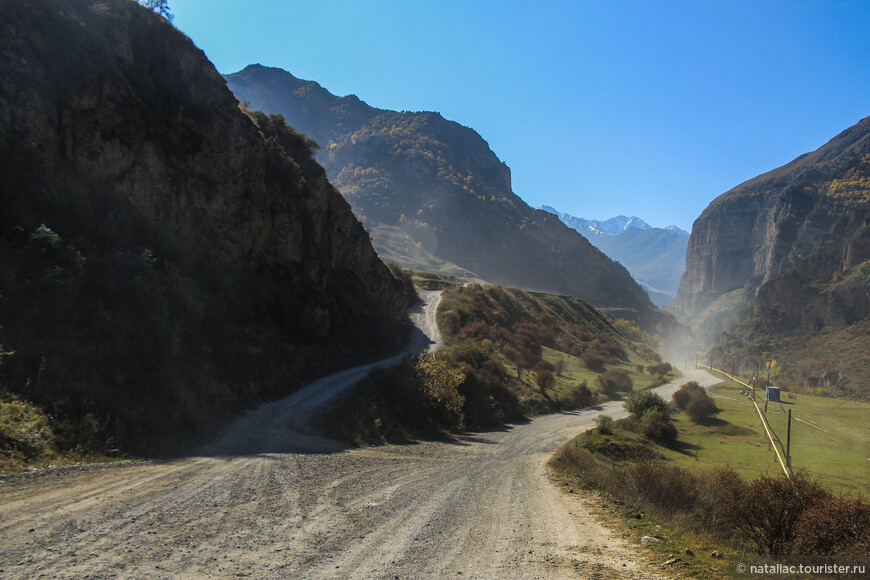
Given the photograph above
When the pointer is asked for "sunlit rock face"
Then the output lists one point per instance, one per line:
(787, 249)
(436, 197)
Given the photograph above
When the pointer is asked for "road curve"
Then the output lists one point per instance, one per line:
(279, 426)
(480, 507)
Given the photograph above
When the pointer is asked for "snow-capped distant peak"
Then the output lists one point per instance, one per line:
(636, 222)
(677, 230)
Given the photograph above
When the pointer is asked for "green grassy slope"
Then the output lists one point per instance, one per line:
(519, 354)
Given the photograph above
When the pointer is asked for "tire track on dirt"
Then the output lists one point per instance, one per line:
(305, 507)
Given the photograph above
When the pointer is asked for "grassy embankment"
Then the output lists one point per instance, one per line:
(28, 440)
(518, 354)
(715, 461)
(528, 327)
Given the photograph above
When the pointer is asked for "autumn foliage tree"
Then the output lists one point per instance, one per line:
(545, 379)
(440, 382)
(614, 381)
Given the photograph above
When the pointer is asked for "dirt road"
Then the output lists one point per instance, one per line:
(305, 507)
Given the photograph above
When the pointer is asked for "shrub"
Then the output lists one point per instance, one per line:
(700, 409)
(594, 361)
(545, 379)
(578, 461)
(511, 353)
(682, 395)
(604, 424)
(614, 381)
(580, 397)
(25, 430)
(487, 398)
(834, 525)
(612, 350)
(639, 368)
(439, 382)
(658, 427)
(719, 488)
(660, 369)
(766, 513)
(638, 404)
(664, 487)
(545, 365)
(522, 364)
(694, 400)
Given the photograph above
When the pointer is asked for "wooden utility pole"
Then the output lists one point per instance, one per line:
(788, 441)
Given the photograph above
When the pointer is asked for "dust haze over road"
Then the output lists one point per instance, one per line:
(268, 501)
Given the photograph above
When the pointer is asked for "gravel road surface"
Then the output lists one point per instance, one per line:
(268, 501)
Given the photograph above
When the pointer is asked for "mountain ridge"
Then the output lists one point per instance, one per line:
(655, 257)
(429, 188)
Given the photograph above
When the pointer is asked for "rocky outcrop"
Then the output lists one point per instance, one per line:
(166, 259)
(433, 193)
(787, 249)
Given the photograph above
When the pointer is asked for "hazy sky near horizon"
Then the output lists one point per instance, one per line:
(600, 108)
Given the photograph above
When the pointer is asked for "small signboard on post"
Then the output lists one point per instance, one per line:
(773, 394)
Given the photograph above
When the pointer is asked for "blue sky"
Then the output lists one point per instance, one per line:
(599, 108)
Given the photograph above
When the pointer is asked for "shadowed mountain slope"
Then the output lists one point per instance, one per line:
(166, 261)
(435, 197)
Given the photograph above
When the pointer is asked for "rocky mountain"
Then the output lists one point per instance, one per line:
(435, 197)
(611, 226)
(655, 257)
(788, 252)
(166, 259)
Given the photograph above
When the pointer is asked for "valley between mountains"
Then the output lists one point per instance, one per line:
(270, 502)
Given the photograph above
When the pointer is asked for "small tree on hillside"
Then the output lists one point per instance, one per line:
(522, 364)
(641, 403)
(439, 383)
(694, 400)
(766, 512)
(700, 409)
(544, 365)
(614, 381)
(660, 369)
(652, 415)
(604, 424)
(545, 379)
(580, 396)
(594, 361)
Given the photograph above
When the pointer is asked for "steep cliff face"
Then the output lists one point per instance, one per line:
(436, 197)
(166, 260)
(787, 249)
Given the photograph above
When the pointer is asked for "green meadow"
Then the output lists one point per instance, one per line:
(830, 437)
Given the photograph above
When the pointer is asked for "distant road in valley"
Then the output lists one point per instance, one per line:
(270, 500)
